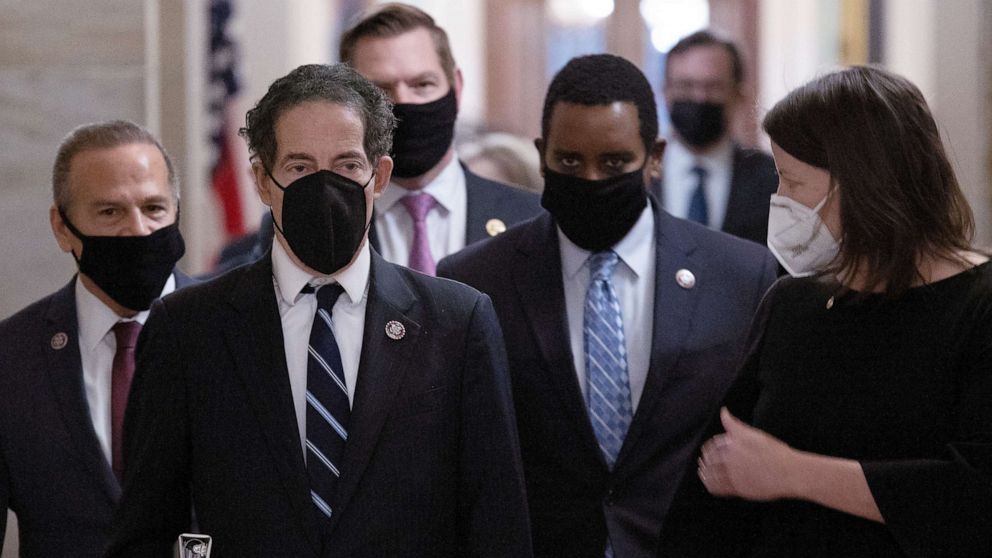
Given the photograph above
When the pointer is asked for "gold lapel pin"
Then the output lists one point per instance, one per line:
(495, 227)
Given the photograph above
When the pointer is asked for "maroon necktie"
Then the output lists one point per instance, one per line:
(120, 385)
(420, 250)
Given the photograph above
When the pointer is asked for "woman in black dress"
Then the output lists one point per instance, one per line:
(861, 422)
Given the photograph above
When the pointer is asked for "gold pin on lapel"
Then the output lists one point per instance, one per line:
(59, 341)
(495, 227)
(395, 330)
(685, 278)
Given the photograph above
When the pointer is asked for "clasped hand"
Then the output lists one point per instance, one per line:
(748, 463)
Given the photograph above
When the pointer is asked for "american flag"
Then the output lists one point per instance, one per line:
(228, 171)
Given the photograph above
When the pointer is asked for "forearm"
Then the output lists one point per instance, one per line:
(835, 483)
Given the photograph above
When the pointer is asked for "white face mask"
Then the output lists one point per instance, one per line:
(798, 237)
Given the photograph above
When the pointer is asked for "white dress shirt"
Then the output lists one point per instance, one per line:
(297, 311)
(445, 223)
(97, 346)
(680, 182)
(633, 280)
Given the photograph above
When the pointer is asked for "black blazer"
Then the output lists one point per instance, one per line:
(53, 473)
(752, 182)
(697, 336)
(431, 467)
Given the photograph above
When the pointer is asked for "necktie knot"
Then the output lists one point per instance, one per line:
(418, 205)
(602, 264)
(700, 172)
(127, 334)
(328, 294)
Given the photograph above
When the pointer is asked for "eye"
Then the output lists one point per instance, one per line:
(615, 164)
(155, 208)
(107, 212)
(569, 162)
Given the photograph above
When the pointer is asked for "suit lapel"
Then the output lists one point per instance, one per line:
(255, 342)
(674, 309)
(480, 207)
(383, 365)
(65, 372)
(537, 275)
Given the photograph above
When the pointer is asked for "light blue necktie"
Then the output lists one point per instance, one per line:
(328, 411)
(606, 358)
(610, 409)
(698, 210)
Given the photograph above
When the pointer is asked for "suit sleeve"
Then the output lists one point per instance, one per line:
(4, 497)
(155, 506)
(698, 524)
(943, 507)
(493, 514)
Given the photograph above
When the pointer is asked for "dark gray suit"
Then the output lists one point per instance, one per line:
(431, 466)
(697, 336)
(53, 474)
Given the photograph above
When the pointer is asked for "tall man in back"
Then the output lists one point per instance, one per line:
(622, 323)
(66, 361)
(435, 206)
(321, 401)
(707, 177)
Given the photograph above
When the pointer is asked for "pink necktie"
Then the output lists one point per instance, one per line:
(420, 250)
(120, 384)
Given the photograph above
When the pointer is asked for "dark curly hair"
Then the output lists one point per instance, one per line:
(335, 83)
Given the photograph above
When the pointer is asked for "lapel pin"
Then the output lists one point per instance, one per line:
(495, 227)
(685, 278)
(395, 330)
(59, 341)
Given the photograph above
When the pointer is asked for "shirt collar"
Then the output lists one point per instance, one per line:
(635, 248)
(443, 188)
(96, 318)
(290, 279)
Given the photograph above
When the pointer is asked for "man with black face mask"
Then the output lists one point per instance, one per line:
(622, 323)
(322, 401)
(707, 177)
(66, 361)
(436, 206)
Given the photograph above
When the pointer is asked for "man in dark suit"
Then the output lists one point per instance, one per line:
(707, 177)
(321, 401)
(622, 323)
(436, 206)
(66, 361)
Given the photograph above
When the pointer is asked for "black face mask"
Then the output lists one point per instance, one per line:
(323, 219)
(594, 214)
(423, 135)
(699, 124)
(132, 270)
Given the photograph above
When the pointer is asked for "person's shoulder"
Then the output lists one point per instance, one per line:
(33, 315)
(494, 251)
(198, 291)
(501, 191)
(436, 291)
(721, 246)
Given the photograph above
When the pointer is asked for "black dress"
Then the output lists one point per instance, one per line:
(902, 385)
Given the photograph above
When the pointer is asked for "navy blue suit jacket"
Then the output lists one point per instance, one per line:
(698, 334)
(53, 474)
(431, 467)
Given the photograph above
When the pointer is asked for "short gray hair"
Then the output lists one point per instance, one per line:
(334, 83)
(102, 135)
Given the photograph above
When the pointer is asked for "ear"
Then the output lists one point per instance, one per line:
(262, 183)
(459, 83)
(655, 157)
(383, 172)
(61, 232)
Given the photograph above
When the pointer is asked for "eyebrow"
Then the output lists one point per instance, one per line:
(293, 156)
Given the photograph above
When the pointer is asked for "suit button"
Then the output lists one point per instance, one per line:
(608, 500)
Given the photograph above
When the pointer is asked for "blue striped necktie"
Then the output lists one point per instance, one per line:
(610, 409)
(328, 411)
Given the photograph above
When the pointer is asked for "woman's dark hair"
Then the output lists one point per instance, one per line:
(899, 198)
